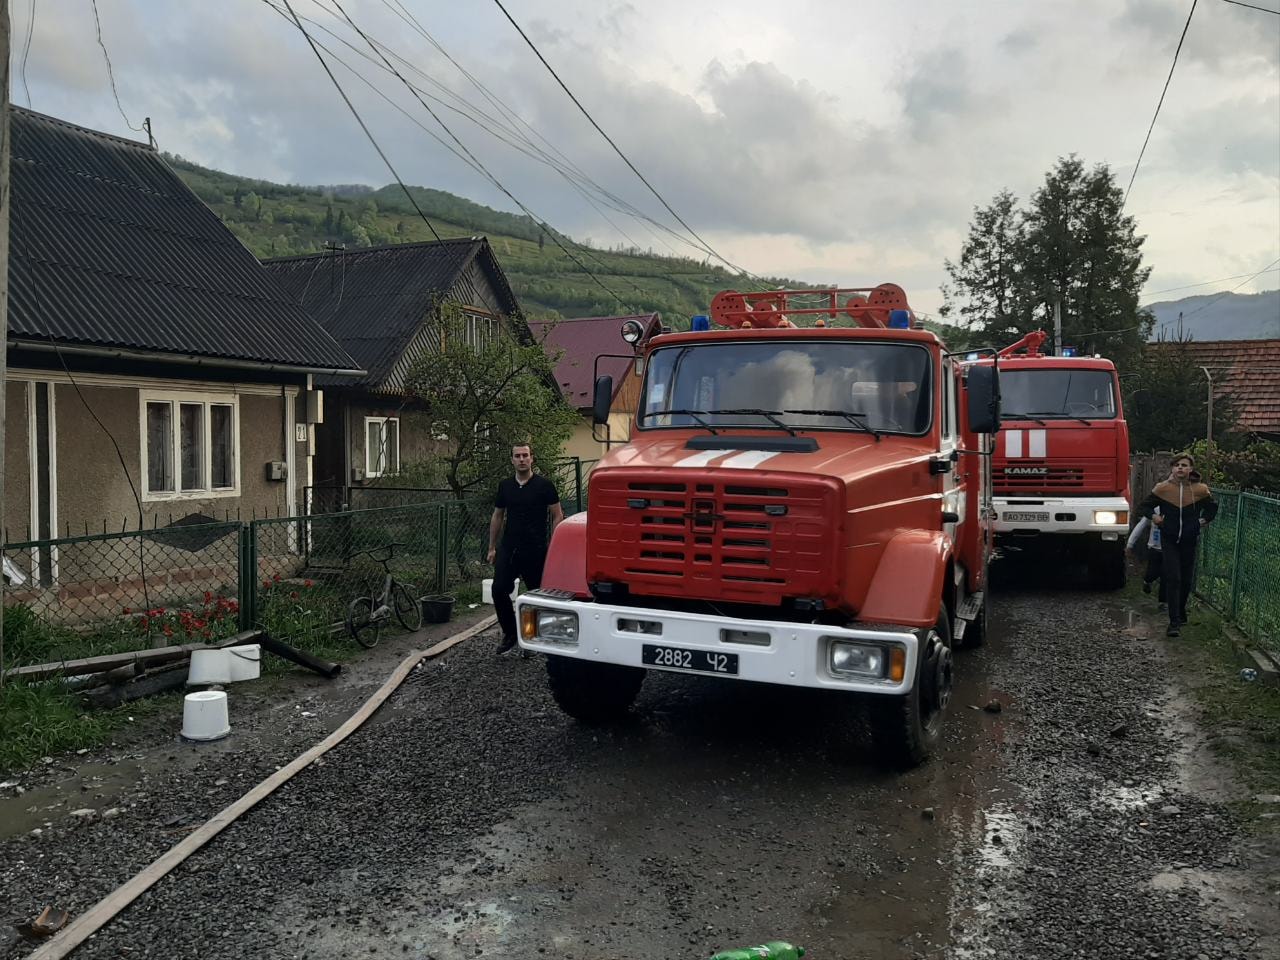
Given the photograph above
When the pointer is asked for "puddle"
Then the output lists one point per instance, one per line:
(1003, 836)
(22, 813)
(1128, 799)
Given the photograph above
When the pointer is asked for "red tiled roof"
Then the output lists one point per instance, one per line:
(1248, 370)
(583, 340)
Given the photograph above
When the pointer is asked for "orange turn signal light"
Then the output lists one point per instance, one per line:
(897, 664)
(528, 622)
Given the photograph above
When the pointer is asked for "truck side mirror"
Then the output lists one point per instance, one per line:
(602, 400)
(984, 398)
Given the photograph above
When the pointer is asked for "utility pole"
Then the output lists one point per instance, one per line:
(4, 276)
(1057, 328)
(1208, 426)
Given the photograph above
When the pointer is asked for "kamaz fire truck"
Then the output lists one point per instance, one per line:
(1061, 464)
(804, 500)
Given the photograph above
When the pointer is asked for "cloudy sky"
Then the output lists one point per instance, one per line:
(829, 140)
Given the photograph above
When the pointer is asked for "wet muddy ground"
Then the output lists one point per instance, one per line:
(469, 818)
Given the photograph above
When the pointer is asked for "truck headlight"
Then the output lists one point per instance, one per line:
(857, 659)
(1110, 518)
(553, 626)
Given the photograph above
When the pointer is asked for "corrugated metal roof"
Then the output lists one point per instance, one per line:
(375, 301)
(109, 248)
(582, 340)
(1246, 370)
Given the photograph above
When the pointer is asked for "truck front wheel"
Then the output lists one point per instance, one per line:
(593, 692)
(908, 728)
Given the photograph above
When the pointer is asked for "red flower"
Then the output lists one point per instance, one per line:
(168, 630)
(266, 584)
(127, 611)
(308, 584)
(276, 578)
(208, 596)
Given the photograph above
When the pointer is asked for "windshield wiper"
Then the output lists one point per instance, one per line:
(696, 414)
(770, 415)
(1023, 416)
(859, 420)
(1057, 416)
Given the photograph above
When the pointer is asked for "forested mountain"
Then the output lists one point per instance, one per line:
(276, 220)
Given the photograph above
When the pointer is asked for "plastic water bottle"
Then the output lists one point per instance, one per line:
(773, 950)
(1248, 674)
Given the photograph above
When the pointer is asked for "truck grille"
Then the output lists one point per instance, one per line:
(713, 537)
(1042, 476)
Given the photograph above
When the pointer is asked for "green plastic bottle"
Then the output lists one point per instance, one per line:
(773, 950)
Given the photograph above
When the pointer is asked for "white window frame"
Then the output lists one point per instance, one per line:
(175, 398)
(481, 329)
(369, 470)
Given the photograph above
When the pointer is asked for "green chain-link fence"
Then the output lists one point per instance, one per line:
(295, 577)
(1239, 567)
(108, 593)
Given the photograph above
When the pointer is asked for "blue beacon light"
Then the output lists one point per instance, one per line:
(701, 322)
(899, 320)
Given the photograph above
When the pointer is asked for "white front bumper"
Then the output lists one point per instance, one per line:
(797, 654)
(1048, 511)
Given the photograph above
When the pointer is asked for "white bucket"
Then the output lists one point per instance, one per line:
(209, 667)
(204, 715)
(486, 590)
(245, 662)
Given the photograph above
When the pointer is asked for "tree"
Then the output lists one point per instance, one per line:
(1167, 400)
(483, 397)
(1073, 246)
(985, 289)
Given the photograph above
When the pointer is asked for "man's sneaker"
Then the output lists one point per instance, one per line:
(1173, 631)
(506, 644)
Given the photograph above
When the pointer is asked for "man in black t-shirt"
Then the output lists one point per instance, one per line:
(522, 506)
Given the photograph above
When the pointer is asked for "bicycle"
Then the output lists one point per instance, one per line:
(366, 615)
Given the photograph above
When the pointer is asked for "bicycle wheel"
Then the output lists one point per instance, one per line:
(363, 628)
(408, 610)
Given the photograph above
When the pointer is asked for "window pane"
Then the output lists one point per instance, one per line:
(392, 455)
(373, 447)
(159, 447)
(223, 454)
(192, 449)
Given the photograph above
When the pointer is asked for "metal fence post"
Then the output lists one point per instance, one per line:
(248, 576)
(577, 481)
(1236, 552)
(442, 547)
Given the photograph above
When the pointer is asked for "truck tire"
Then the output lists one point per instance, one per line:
(907, 729)
(1108, 568)
(593, 693)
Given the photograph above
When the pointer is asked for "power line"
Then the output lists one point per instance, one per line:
(1160, 103)
(111, 74)
(492, 179)
(1205, 283)
(616, 149)
(360, 120)
(1252, 7)
(1204, 306)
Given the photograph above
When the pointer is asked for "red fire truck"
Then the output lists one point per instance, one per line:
(1061, 464)
(804, 500)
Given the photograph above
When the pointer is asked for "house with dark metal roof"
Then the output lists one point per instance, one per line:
(587, 347)
(154, 365)
(1247, 371)
(381, 304)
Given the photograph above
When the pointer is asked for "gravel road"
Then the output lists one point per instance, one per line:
(469, 818)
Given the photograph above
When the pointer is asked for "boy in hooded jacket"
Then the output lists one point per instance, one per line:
(1184, 508)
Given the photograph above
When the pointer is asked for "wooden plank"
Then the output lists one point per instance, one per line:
(106, 909)
(110, 661)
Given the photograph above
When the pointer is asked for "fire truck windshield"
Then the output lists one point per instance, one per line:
(838, 384)
(1047, 393)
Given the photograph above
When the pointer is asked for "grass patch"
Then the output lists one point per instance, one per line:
(1244, 717)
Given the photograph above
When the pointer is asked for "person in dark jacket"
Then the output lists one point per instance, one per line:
(518, 535)
(1185, 507)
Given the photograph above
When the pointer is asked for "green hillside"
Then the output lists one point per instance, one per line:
(277, 221)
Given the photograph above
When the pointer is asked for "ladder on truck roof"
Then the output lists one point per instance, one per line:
(883, 306)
